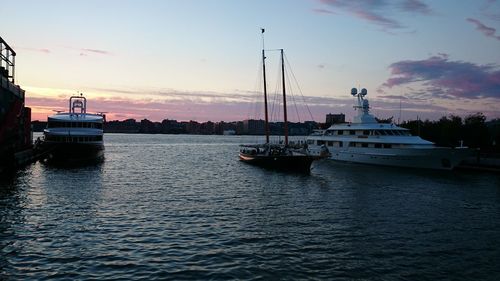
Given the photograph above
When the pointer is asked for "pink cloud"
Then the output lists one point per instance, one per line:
(448, 79)
(41, 50)
(96, 51)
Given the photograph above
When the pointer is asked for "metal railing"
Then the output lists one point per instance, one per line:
(7, 61)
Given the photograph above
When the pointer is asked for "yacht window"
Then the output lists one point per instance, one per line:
(329, 132)
(389, 132)
(366, 132)
(364, 144)
(352, 144)
(341, 144)
(330, 143)
(352, 132)
(320, 142)
(310, 141)
(378, 145)
(340, 132)
(377, 133)
(387, 145)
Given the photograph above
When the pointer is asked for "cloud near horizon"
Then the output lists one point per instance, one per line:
(445, 79)
(376, 11)
(213, 106)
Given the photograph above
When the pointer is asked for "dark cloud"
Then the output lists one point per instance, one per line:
(447, 79)
(415, 6)
(375, 11)
(486, 30)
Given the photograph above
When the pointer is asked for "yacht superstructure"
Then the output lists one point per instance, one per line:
(367, 141)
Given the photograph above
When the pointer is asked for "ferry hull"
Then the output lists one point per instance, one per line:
(73, 153)
(434, 158)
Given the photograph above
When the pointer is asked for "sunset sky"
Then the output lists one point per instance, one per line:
(200, 59)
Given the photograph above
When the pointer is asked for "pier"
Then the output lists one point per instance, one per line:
(16, 139)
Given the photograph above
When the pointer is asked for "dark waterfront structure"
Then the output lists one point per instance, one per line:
(15, 118)
(334, 119)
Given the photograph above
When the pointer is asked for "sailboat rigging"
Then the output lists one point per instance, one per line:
(278, 156)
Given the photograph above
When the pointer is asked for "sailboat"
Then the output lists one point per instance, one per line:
(283, 157)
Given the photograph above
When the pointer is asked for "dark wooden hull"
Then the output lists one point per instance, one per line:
(295, 163)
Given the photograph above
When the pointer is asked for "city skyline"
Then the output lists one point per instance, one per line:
(199, 60)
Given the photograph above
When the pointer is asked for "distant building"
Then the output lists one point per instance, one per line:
(253, 127)
(335, 118)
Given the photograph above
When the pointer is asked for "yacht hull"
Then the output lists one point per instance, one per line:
(432, 158)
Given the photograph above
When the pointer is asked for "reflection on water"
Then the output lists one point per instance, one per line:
(184, 207)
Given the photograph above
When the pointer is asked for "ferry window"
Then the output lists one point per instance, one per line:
(352, 144)
(341, 144)
(310, 141)
(376, 133)
(366, 132)
(389, 132)
(329, 132)
(364, 145)
(330, 143)
(387, 145)
(352, 132)
(378, 145)
(320, 142)
(340, 132)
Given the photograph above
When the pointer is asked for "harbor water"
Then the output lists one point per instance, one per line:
(184, 208)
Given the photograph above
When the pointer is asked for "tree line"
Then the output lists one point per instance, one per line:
(453, 131)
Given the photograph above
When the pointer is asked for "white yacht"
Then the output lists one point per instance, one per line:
(369, 142)
(74, 136)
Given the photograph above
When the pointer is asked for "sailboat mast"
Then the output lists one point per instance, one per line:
(265, 87)
(284, 96)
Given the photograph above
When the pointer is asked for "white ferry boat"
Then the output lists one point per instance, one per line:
(74, 136)
(369, 142)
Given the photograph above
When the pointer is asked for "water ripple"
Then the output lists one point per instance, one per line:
(183, 208)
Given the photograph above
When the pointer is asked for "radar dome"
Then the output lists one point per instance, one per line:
(364, 92)
(354, 91)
